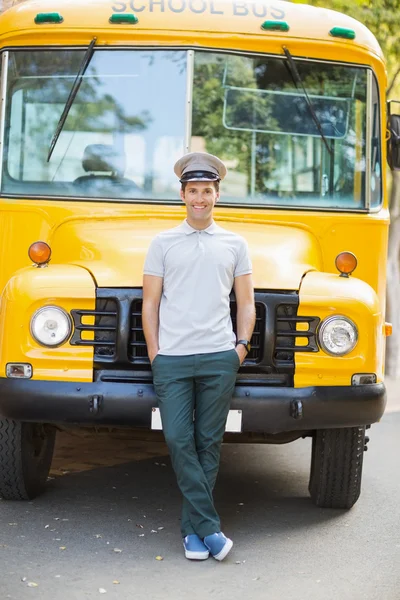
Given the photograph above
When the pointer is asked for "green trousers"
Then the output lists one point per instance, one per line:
(194, 394)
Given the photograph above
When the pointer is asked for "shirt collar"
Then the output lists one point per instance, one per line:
(188, 229)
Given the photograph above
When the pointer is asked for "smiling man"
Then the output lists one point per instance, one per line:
(189, 274)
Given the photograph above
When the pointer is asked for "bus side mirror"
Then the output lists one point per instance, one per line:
(393, 143)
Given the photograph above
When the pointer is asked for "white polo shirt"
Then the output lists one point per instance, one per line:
(198, 269)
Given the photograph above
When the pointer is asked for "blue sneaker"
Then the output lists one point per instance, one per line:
(194, 547)
(218, 545)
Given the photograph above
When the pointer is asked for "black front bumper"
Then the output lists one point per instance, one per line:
(264, 409)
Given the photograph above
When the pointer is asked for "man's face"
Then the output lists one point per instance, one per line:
(200, 198)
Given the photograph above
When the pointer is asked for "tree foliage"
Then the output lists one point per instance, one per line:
(382, 18)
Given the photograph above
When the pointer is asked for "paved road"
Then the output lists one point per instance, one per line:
(112, 508)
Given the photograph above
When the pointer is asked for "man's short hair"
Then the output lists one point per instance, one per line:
(185, 183)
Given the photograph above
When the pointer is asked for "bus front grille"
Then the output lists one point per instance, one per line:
(114, 329)
(293, 333)
(137, 343)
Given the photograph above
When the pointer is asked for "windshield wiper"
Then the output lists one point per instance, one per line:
(72, 95)
(299, 82)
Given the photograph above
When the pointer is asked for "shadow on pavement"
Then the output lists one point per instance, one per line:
(258, 490)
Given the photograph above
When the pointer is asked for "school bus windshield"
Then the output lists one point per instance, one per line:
(129, 122)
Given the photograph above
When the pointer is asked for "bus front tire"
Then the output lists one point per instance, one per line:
(26, 451)
(336, 466)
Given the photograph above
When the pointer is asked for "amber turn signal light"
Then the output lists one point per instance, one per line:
(388, 329)
(39, 253)
(346, 263)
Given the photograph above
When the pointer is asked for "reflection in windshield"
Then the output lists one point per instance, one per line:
(127, 127)
(122, 134)
(72, 95)
(283, 112)
(248, 111)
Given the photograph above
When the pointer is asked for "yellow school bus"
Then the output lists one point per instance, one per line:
(98, 100)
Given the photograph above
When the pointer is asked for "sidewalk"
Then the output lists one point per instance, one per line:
(393, 394)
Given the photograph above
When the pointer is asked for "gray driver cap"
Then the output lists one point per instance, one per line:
(199, 166)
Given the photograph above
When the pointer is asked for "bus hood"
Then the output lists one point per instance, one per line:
(114, 250)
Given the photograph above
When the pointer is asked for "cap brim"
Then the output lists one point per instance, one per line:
(199, 176)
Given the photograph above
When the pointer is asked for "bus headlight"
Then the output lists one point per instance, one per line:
(51, 326)
(337, 335)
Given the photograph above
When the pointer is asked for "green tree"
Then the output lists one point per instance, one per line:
(382, 18)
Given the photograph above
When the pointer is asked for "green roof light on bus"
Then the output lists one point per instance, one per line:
(126, 19)
(343, 32)
(275, 26)
(53, 17)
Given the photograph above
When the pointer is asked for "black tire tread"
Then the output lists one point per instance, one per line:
(18, 481)
(336, 467)
(12, 484)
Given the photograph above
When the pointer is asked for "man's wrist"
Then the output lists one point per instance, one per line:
(152, 354)
(245, 343)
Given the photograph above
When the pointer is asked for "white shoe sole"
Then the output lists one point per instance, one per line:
(196, 555)
(225, 550)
